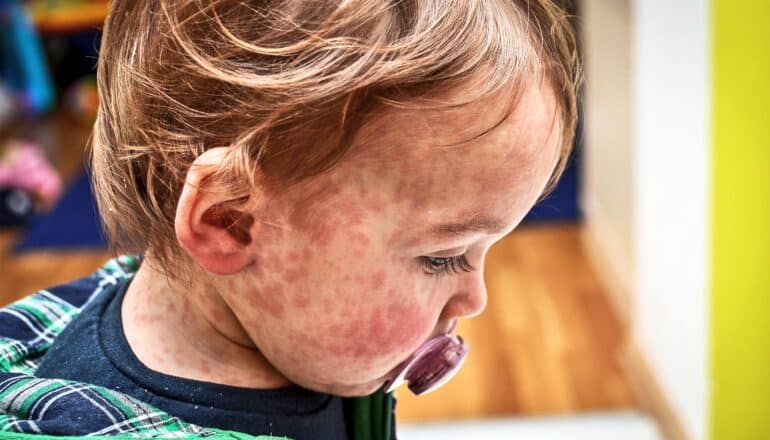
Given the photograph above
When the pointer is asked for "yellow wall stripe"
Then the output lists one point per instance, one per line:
(740, 285)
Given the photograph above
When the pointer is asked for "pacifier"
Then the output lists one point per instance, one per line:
(431, 365)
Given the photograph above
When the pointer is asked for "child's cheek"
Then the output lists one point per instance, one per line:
(367, 335)
(373, 309)
(367, 322)
(279, 283)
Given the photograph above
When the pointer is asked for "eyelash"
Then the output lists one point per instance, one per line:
(449, 265)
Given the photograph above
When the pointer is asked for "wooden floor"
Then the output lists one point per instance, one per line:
(547, 343)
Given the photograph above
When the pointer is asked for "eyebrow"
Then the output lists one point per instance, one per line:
(477, 223)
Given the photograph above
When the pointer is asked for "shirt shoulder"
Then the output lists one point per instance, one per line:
(29, 326)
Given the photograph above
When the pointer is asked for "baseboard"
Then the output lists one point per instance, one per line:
(651, 395)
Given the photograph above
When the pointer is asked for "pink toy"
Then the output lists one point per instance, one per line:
(23, 166)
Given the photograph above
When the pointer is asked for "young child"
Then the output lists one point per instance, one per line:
(313, 188)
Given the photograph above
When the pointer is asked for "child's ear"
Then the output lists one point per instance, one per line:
(213, 230)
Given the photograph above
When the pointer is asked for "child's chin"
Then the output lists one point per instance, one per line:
(357, 390)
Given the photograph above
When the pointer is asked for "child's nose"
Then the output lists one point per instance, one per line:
(468, 301)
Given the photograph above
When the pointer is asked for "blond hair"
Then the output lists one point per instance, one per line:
(286, 85)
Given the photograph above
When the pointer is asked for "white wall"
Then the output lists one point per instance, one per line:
(646, 173)
(671, 150)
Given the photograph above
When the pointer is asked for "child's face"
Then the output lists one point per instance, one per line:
(341, 293)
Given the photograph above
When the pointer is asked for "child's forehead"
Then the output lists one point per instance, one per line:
(407, 160)
(416, 138)
(424, 160)
(441, 126)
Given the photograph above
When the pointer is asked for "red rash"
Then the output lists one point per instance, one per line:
(269, 300)
(337, 295)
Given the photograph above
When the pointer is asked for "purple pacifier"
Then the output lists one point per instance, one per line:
(431, 365)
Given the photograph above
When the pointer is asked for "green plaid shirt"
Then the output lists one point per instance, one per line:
(34, 408)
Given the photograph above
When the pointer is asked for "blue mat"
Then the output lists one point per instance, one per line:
(562, 203)
(73, 223)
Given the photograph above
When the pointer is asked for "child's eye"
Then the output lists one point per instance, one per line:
(438, 266)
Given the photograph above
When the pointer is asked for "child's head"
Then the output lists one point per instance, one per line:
(313, 164)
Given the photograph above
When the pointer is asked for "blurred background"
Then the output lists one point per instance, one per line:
(631, 304)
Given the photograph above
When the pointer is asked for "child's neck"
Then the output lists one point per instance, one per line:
(191, 334)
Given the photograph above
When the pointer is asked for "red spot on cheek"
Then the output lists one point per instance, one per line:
(375, 204)
(346, 339)
(353, 215)
(294, 275)
(316, 223)
(407, 324)
(360, 238)
(353, 329)
(370, 283)
(361, 243)
(323, 234)
(272, 263)
(377, 328)
(335, 328)
(377, 280)
(269, 300)
(301, 300)
(361, 351)
(328, 306)
(379, 335)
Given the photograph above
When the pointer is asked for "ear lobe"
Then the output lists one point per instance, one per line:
(215, 231)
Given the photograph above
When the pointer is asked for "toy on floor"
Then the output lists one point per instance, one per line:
(24, 167)
(16, 207)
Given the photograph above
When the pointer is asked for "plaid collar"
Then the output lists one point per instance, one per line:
(34, 408)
